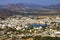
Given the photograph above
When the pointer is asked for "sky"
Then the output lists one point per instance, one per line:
(40, 2)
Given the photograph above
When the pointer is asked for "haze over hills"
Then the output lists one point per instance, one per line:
(29, 9)
(56, 6)
(19, 5)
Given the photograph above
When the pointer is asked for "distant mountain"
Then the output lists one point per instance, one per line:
(20, 6)
(28, 9)
(25, 5)
(56, 6)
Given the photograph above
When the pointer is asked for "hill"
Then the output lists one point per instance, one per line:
(28, 9)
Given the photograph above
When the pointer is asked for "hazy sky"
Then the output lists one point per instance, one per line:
(41, 2)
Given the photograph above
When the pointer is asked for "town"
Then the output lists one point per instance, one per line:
(18, 26)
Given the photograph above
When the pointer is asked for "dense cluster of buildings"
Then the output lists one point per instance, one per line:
(26, 26)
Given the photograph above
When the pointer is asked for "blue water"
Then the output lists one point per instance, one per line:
(38, 25)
